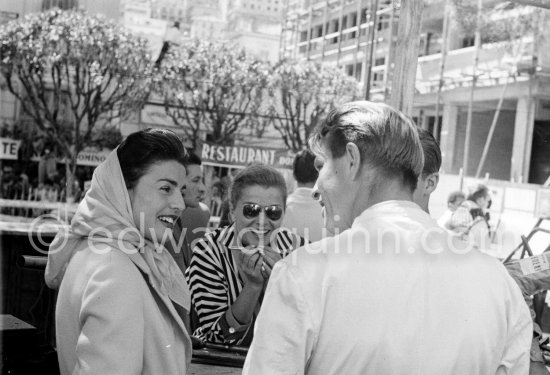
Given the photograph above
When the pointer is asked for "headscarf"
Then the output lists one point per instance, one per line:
(104, 219)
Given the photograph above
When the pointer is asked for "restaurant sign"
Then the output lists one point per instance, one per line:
(9, 148)
(241, 156)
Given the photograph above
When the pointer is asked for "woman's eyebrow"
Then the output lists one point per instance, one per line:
(172, 182)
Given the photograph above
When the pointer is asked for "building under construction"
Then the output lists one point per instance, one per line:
(493, 90)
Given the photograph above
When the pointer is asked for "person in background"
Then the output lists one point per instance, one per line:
(217, 198)
(391, 293)
(123, 303)
(529, 284)
(193, 221)
(230, 267)
(430, 172)
(470, 219)
(303, 214)
(454, 200)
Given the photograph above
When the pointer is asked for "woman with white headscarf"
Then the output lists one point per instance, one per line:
(123, 303)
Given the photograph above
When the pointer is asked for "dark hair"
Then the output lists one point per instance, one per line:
(387, 139)
(304, 167)
(144, 148)
(455, 195)
(432, 152)
(477, 191)
(192, 159)
(257, 174)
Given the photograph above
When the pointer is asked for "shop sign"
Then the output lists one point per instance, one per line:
(241, 156)
(9, 148)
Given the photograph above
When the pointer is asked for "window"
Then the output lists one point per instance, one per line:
(344, 22)
(364, 15)
(379, 61)
(349, 70)
(468, 41)
(358, 71)
(335, 26)
(318, 31)
(303, 36)
(353, 18)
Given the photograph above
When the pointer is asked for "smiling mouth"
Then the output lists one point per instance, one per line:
(168, 220)
(260, 232)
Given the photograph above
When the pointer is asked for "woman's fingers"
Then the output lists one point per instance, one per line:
(271, 257)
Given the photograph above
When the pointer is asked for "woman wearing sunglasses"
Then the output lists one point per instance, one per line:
(230, 267)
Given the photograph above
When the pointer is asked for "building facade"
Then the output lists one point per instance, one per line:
(513, 64)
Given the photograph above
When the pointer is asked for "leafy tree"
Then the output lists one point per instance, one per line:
(302, 93)
(72, 71)
(211, 87)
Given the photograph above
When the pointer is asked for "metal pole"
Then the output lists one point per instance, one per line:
(444, 50)
(369, 48)
(477, 44)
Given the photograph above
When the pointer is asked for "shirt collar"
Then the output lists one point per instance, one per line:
(390, 208)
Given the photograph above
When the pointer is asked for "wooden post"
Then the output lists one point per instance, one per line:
(444, 49)
(390, 55)
(369, 48)
(340, 35)
(406, 57)
(309, 32)
(491, 130)
(477, 44)
(324, 29)
(358, 40)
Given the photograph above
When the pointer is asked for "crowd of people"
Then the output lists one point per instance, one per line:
(348, 274)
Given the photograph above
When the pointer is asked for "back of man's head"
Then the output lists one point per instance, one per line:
(304, 169)
(432, 152)
(387, 139)
(193, 159)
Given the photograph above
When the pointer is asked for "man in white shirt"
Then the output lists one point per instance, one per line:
(391, 292)
(303, 214)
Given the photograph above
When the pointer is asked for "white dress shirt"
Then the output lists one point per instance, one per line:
(390, 296)
(303, 215)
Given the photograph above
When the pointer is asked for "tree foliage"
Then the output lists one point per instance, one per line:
(211, 87)
(302, 94)
(500, 22)
(71, 71)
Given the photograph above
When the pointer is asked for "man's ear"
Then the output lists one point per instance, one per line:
(353, 158)
(431, 183)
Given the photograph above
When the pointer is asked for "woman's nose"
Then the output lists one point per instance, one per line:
(177, 201)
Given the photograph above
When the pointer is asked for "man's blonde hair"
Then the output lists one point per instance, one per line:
(387, 139)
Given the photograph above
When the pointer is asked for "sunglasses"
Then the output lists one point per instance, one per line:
(252, 210)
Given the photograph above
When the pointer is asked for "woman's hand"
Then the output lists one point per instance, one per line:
(251, 267)
(269, 257)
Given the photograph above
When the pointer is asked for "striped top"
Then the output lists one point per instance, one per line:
(215, 282)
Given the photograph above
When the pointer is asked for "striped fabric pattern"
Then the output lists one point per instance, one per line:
(215, 282)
